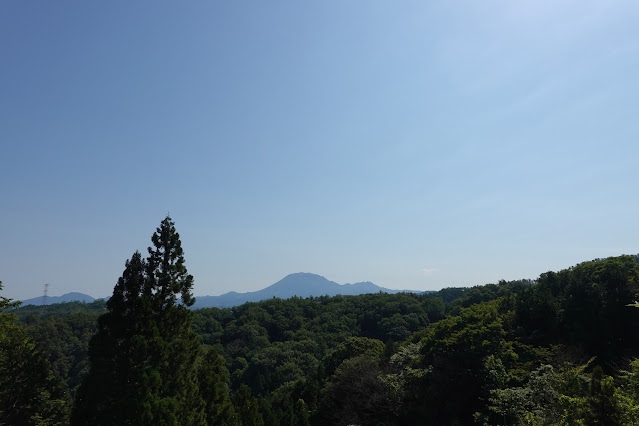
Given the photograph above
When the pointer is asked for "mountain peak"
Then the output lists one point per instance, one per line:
(300, 284)
(303, 276)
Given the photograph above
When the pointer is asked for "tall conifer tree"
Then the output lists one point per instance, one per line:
(143, 354)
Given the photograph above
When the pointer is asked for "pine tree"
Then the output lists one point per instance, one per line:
(143, 356)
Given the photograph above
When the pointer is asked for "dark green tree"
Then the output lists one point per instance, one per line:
(143, 356)
(456, 348)
(355, 394)
(213, 378)
(29, 392)
(247, 407)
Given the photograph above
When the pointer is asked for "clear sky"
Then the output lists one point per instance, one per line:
(413, 144)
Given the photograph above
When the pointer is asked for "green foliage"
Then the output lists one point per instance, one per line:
(6, 304)
(351, 348)
(403, 379)
(456, 349)
(355, 394)
(506, 353)
(535, 403)
(29, 393)
(595, 399)
(585, 306)
(279, 364)
(213, 378)
(477, 330)
(247, 407)
(143, 356)
(35, 313)
(568, 396)
(285, 406)
(65, 340)
(486, 293)
(594, 313)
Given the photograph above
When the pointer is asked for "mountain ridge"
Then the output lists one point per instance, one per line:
(300, 284)
(73, 296)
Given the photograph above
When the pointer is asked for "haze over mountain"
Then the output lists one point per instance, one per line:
(68, 297)
(300, 284)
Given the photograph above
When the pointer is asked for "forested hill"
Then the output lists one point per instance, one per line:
(50, 300)
(293, 285)
(561, 349)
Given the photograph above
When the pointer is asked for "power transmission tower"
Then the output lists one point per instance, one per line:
(44, 297)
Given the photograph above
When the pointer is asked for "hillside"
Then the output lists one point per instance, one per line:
(68, 297)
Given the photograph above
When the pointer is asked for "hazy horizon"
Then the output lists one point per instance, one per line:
(51, 289)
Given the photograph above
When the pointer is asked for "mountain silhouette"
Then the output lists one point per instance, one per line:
(300, 284)
(69, 297)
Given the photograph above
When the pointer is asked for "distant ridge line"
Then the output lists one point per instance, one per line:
(50, 300)
(301, 284)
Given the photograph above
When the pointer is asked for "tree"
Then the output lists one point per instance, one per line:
(594, 313)
(355, 394)
(213, 380)
(143, 356)
(456, 348)
(247, 407)
(29, 392)
(537, 402)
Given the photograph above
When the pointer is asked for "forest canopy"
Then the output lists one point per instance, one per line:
(561, 349)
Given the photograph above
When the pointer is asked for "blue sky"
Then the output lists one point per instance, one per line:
(417, 145)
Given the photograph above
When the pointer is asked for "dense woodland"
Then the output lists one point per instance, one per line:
(562, 349)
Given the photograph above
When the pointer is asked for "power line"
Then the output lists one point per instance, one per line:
(44, 297)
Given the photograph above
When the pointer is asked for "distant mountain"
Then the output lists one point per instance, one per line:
(69, 297)
(300, 285)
